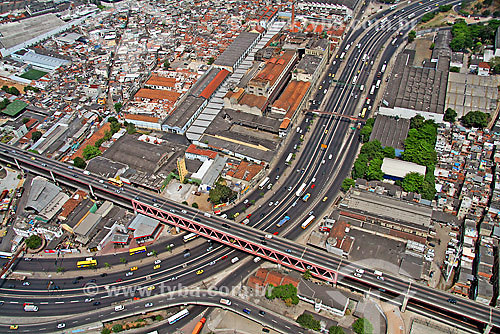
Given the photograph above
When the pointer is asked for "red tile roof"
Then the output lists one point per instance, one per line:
(156, 80)
(214, 84)
(143, 118)
(154, 94)
(198, 151)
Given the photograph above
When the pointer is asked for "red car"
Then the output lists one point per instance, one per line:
(275, 233)
(312, 186)
(224, 257)
(119, 280)
(249, 215)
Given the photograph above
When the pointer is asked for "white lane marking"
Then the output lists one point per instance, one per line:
(273, 320)
(104, 297)
(13, 302)
(74, 301)
(59, 303)
(44, 303)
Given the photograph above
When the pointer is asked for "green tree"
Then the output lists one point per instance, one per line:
(336, 330)
(374, 170)
(105, 331)
(107, 265)
(221, 194)
(307, 275)
(389, 152)
(360, 167)
(158, 318)
(365, 133)
(370, 122)
(79, 163)
(33, 242)
(476, 119)
(347, 184)
(454, 69)
(417, 122)
(372, 150)
(195, 205)
(450, 115)
(25, 120)
(306, 320)
(413, 182)
(428, 16)
(60, 269)
(445, 8)
(411, 36)
(166, 64)
(90, 151)
(118, 107)
(36, 135)
(131, 128)
(154, 253)
(123, 260)
(210, 60)
(362, 326)
(117, 328)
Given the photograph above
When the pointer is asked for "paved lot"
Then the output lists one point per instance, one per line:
(376, 252)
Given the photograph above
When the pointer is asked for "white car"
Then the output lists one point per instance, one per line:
(88, 300)
(270, 203)
(245, 201)
(130, 273)
(157, 261)
(150, 254)
(61, 325)
(148, 304)
(26, 283)
(357, 275)
(361, 271)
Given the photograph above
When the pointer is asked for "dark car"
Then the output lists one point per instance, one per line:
(197, 220)
(11, 286)
(247, 311)
(262, 313)
(226, 225)
(451, 301)
(79, 277)
(264, 242)
(75, 281)
(92, 280)
(97, 303)
(104, 275)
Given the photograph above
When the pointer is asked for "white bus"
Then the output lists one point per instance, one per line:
(362, 87)
(178, 316)
(301, 190)
(190, 236)
(378, 84)
(289, 158)
(412, 15)
(342, 55)
(354, 79)
(263, 183)
(393, 7)
(372, 90)
(307, 222)
(383, 68)
(394, 41)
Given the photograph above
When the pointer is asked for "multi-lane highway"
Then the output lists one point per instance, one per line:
(314, 163)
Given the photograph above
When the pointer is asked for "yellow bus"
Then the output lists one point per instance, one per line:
(115, 182)
(89, 262)
(137, 250)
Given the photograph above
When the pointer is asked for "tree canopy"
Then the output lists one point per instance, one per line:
(33, 242)
(412, 182)
(347, 184)
(476, 119)
(79, 163)
(36, 135)
(221, 194)
(362, 326)
(306, 320)
(336, 330)
(90, 151)
(467, 36)
(450, 115)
